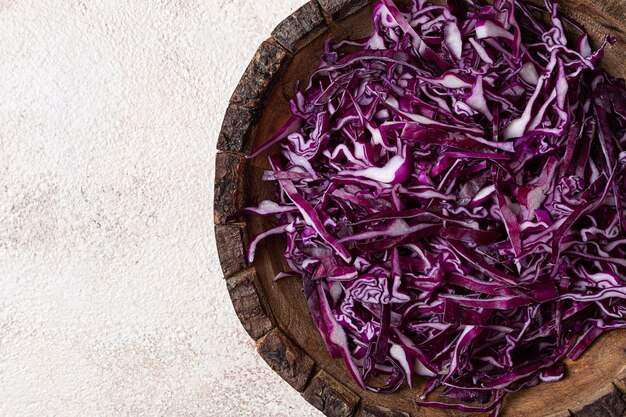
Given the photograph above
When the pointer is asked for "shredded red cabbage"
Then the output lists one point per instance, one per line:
(451, 192)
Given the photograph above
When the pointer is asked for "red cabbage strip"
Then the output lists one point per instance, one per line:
(505, 302)
(479, 286)
(590, 335)
(292, 126)
(336, 335)
(480, 264)
(310, 216)
(452, 193)
(253, 244)
(419, 46)
(508, 217)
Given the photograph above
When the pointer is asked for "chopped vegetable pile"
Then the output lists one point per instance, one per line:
(451, 191)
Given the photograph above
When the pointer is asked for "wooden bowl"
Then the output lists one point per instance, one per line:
(275, 313)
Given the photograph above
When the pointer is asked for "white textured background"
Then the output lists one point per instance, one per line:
(111, 297)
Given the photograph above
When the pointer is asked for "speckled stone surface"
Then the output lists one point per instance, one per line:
(113, 302)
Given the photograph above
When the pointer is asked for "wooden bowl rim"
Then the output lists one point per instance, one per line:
(235, 140)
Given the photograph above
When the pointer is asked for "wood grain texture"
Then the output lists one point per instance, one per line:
(620, 380)
(230, 242)
(300, 28)
(286, 359)
(247, 304)
(261, 72)
(564, 413)
(237, 129)
(338, 9)
(228, 186)
(330, 396)
(376, 411)
(607, 402)
(594, 384)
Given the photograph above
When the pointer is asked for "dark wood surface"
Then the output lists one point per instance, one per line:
(275, 313)
(230, 171)
(230, 242)
(330, 396)
(248, 305)
(287, 359)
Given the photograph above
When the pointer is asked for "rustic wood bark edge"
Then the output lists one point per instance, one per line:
(255, 317)
(607, 402)
(330, 396)
(286, 359)
(300, 28)
(230, 170)
(338, 9)
(264, 69)
(235, 139)
(230, 240)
